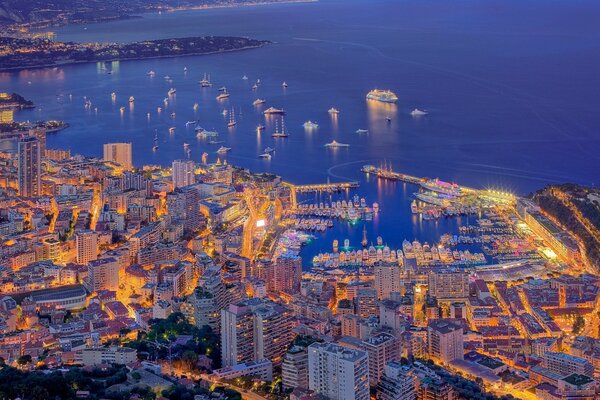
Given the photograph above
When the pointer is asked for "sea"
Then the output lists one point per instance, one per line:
(511, 89)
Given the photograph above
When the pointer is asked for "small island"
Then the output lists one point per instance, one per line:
(14, 101)
(17, 53)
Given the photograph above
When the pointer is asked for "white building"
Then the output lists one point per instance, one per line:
(338, 372)
(183, 173)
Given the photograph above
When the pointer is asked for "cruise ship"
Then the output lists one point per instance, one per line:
(435, 185)
(336, 144)
(282, 133)
(310, 125)
(258, 102)
(273, 110)
(386, 96)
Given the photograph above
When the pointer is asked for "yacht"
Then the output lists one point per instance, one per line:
(155, 142)
(310, 125)
(266, 156)
(205, 82)
(172, 115)
(335, 144)
(258, 102)
(113, 96)
(122, 109)
(273, 110)
(172, 130)
(385, 96)
(333, 111)
(284, 84)
(196, 106)
(223, 150)
(417, 113)
(223, 96)
(245, 77)
(131, 99)
(222, 89)
(360, 131)
(260, 128)
(254, 87)
(167, 77)
(171, 92)
(202, 133)
(158, 109)
(151, 73)
(186, 146)
(388, 119)
(268, 150)
(191, 123)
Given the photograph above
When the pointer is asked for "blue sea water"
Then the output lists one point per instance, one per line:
(511, 88)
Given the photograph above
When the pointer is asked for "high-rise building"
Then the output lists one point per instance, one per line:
(253, 330)
(287, 273)
(119, 153)
(294, 369)
(30, 167)
(387, 280)
(103, 274)
(210, 297)
(338, 372)
(445, 340)
(183, 173)
(382, 349)
(40, 134)
(396, 383)
(87, 246)
(183, 207)
(449, 285)
(366, 301)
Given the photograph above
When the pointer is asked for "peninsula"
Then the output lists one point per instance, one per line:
(18, 53)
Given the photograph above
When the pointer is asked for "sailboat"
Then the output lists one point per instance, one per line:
(232, 121)
(278, 134)
(205, 82)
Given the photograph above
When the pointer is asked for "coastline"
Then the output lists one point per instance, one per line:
(65, 63)
(137, 15)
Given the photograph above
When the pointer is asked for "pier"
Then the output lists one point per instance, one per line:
(319, 187)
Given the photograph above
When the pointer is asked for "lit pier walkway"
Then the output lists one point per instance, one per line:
(319, 187)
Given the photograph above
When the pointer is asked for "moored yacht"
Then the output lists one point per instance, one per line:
(310, 125)
(336, 144)
(416, 112)
(223, 150)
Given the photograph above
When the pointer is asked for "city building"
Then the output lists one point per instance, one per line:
(87, 246)
(30, 167)
(119, 153)
(445, 340)
(449, 285)
(387, 279)
(108, 355)
(396, 383)
(183, 173)
(294, 369)
(338, 372)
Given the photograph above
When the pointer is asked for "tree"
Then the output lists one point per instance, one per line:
(24, 359)
(578, 325)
